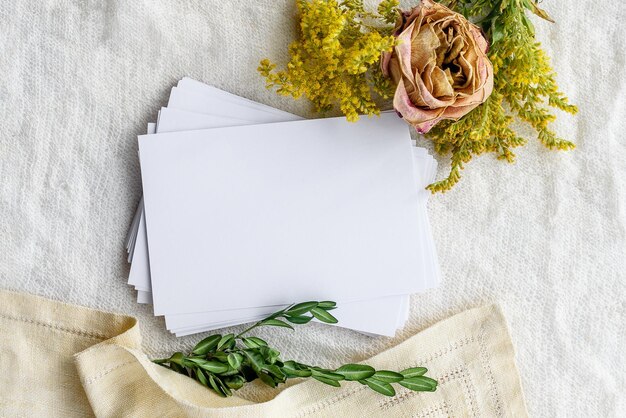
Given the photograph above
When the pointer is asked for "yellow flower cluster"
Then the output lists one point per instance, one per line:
(330, 61)
(335, 61)
(524, 82)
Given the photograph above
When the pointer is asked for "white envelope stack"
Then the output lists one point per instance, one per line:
(247, 209)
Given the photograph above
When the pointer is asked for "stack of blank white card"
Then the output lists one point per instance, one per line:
(247, 209)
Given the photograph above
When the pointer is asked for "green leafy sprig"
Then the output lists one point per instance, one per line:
(224, 363)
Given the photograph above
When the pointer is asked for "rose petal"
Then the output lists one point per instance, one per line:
(412, 114)
(426, 95)
(468, 73)
(483, 92)
(403, 52)
(442, 89)
(394, 69)
(384, 63)
(457, 112)
(423, 45)
(480, 40)
(423, 128)
(455, 48)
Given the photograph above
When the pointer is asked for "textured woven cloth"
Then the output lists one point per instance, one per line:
(469, 354)
(545, 238)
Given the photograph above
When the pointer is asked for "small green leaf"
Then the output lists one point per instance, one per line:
(267, 379)
(291, 369)
(216, 387)
(420, 384)
(413, 372)
(323, 316)
(356, 371)
(290, 364)
(192, 362)
(219, 386)
(258, 341)
(299, 319)
(497, 31)
(206, 345)
(220, 355)
(254, 342)
(249, 343)
(212, 366)
(178, 368)
(234, 359)
(388, 376)
(327, 304)
(254, 359)
(225, 341)
(230, 372)
(223, 386)
(301, 308)
(269, 354)
(276, 323)
(202, 377)
(275, 371)
(380, 387)
(177, 358)
(330, 382)
(327, 374)
(235, 382)
(540, 12)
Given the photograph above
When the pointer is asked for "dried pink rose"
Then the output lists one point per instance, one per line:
(440, 66)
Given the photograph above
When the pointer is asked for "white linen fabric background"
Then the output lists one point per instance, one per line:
(546, 237)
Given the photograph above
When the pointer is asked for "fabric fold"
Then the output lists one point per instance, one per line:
(470, 354)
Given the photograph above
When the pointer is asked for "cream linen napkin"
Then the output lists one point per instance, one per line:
(63, 360)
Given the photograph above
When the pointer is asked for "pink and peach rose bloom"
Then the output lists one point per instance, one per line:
(439, 65)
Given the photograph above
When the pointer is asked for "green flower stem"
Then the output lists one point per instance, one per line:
(260, 323)
(224, 363)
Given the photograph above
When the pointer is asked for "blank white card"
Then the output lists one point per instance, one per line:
(267, 214)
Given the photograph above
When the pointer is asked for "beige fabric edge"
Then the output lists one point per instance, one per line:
(470, 354)
(38, 338)
(111, 327)
(481, 332)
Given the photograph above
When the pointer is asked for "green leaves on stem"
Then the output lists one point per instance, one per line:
(300, 313)
(226, 363)
(206, 345)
